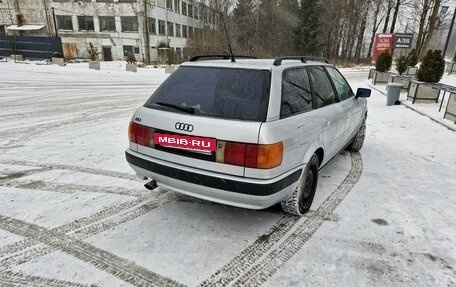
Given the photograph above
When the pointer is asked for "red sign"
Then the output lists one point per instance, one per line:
(382, 42)
(186, 142)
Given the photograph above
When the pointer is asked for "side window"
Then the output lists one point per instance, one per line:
(323, 91)
(342, 87)
(296, 93)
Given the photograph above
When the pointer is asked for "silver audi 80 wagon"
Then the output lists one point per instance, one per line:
(246, 132)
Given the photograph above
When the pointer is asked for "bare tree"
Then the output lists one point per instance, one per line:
(396, 13)
(376, 24)
(427, 16)
(432, 25)
(362, 30)
(389, 4)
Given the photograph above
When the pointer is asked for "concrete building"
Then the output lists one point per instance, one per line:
(150, 29)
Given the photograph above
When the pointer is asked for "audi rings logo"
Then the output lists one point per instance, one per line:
(184, 127)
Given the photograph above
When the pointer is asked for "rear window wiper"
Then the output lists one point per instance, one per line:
(188, 110)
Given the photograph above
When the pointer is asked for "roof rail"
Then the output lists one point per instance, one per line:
(222, 57)
(304, 59)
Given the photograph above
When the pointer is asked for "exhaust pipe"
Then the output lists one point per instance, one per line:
(151, 185)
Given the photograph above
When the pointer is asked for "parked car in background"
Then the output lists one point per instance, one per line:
(249, 132)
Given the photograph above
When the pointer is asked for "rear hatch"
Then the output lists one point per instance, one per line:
(203, 117)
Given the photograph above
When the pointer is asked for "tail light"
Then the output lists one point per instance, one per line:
(262, 156)
(250, 155)
(140, 134)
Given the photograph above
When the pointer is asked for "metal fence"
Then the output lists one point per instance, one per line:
(30, 47)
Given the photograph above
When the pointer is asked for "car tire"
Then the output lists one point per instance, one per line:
(358, 140)
(301, 200)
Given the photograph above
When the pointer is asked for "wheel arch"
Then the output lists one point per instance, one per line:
(320, 154)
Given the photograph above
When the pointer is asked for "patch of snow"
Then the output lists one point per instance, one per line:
(61, 266)
(52, 209)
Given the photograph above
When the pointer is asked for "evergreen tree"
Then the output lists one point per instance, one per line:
(401, 64)
(307, 38)
(432, 68)
(267, 27)
(287, 12)
(244, 19)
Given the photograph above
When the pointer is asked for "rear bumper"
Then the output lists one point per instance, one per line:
(231, 190)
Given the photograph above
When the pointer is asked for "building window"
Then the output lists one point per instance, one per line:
(190, 32)
(127, 50)
(179, 53)
(169, 4)
(170, 29)
(195, 12)
(130, 50)
(184, 8)
(161, 27)
(190, 10)
(107, 24)
(152, 26)
(64, 23)
(129, 24)
(178, 30)
(184, 31)
(85, 23)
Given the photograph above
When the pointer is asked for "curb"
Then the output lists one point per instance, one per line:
(409, 106)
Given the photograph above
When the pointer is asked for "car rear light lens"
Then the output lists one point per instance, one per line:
(139, 134)
(234, 153)
(251, 155)
(262, 156)
(132, 132)
(270, 155)
(143, 135)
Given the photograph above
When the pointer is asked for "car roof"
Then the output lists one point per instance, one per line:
(258, 64)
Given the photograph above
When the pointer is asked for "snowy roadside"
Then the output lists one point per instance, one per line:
(72, 212)
(434, 111)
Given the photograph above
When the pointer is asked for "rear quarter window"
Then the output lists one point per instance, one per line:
(323, 91)
(296, 92)
(227, 93)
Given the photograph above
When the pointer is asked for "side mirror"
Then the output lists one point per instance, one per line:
(363, 93)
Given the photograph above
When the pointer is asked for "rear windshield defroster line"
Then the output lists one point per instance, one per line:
(228, 93)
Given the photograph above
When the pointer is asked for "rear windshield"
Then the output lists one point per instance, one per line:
(227, 93)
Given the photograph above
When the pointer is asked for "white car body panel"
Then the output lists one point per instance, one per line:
(328, 129)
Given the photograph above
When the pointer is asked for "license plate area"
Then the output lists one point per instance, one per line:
(193, 144)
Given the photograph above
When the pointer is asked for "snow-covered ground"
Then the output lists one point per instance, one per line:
(435, 111)
(73, 214)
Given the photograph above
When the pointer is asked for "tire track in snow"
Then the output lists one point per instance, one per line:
(283, 252)
(69, 188)
(22, 134)
(259, 261)
(74, 168)
(121, 268)
(13, 174)
(16, 279)
(39, 250)
(65, 108)
(116, 211)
